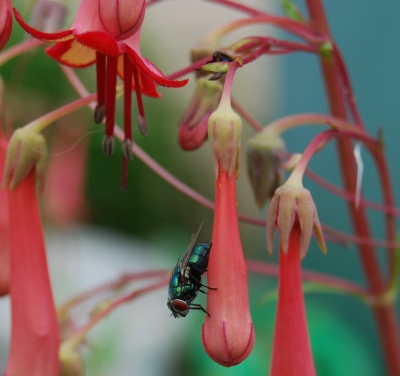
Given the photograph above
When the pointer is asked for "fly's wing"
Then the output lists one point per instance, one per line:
(185, 259)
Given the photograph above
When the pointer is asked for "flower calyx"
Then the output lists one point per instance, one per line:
(264, 165)
(293, 202)
(26, 150)
(224, 132)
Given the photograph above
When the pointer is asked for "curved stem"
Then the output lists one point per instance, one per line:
(75, 340)
(19, 49)
(39, 124)
(385, 315)
(117, 284)
(315, 145)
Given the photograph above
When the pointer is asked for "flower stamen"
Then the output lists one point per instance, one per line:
(141, 118)
(100, 110)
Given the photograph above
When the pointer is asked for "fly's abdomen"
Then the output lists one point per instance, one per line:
(198, 261)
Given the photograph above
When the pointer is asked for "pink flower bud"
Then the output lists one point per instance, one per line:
(34, 332)
(291, 354)
(5, 22)
(228, 333)
(263, 165)
(122, 18)
(193, 126)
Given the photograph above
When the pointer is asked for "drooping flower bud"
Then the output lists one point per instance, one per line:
(193, 126)
(26, 149)
(122, 18)
(228, 333)
(34, 332)
(5, 22)
(291, 354)
(224, 132)
(263, 165)
(293, 202)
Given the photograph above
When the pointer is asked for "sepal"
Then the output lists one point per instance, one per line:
(224, 132)
(291, 202)
(26, 150)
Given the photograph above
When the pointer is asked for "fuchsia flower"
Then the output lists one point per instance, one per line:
(34, 335)
(293, 211)
(5, 22)
(228, 333)
(291, 353)
(108, 32)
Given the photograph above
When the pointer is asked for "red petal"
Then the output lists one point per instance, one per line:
(100, 41)
(147, 85)
(47, 37)
(72, 53)
(150, 70)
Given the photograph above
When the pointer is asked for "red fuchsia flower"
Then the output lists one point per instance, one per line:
(194, 124)
(293, 211)
(107, 32)
(34, 334)
(5, 22)
(228, 333)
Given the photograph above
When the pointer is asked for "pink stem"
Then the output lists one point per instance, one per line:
(19, 49)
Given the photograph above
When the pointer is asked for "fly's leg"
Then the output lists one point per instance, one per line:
(199, 307)
(198, 283)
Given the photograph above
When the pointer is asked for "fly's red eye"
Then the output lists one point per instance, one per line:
(179, 305)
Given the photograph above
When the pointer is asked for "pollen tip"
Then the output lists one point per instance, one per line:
(108, 145)
(142, 125)
(127, 149)
(99, 113)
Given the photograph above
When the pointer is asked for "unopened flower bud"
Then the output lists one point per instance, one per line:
(293, 202)
(193, 126)
(121, 18)
(224, 131)
(228, 332)
(263, 165)
(5, 22)
(26, 150)
(71, 361)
